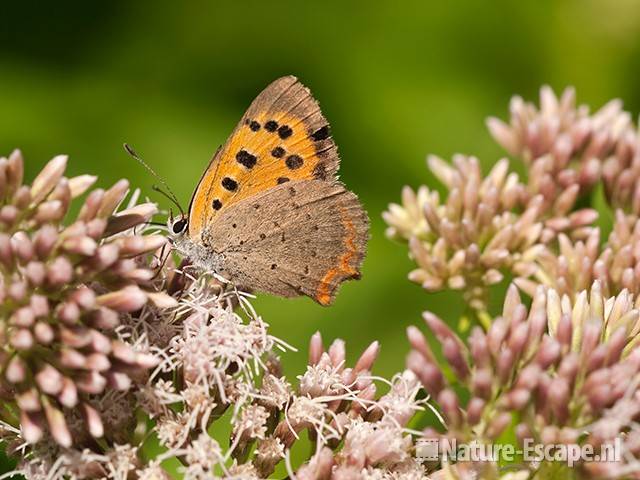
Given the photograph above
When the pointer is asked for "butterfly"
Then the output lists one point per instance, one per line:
(269, 213)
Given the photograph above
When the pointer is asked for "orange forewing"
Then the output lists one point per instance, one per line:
(282, 137)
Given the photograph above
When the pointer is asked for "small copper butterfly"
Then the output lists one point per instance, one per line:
(269, 212)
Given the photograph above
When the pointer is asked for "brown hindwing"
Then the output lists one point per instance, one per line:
(299, 238)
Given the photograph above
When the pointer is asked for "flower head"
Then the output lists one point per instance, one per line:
(67, 293)
(558, 369)
(469, 241)
(561, 143)
(571, 266)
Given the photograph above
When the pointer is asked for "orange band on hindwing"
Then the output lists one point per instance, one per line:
(344, 268)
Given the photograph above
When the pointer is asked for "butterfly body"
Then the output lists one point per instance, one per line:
(269, 212)
(199, 255)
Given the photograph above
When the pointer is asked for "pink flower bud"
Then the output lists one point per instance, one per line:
(105, 256)
(98, 362)
(31, 427)
(368, 357)
(23, 317)
(40, 305)
(80, 245)
(8, 215)
(68, 313)
(22, 197)
(91, 205)
(15, 171)
(29, 401)
(22, 247)
(112, 198)
(455, 357)
(104, 318)
(44, 241)
(315, 348)
(448, 401)
(137, 245)
(68, 396)
(49, 380)
(48, 178)
(58, 426)
(96, 228)
(84, 297)
(118, 381)
(337, 352)
(51, 211)
(71, 358)
(21, 339)
(419, 343)
(44, 333)
(430, 376)
(475, 408)
(482, 383)
(91, 382)
(162, 300)
(36, 273)
(92, 420)
(6, 250)
(558, 396)
(59, 272)
(128, 299)
(80, 184)
(16, 370)
(17, 290)
(498, 424)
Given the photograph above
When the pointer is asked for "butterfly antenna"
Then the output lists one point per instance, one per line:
(168, 193)
(171, 198)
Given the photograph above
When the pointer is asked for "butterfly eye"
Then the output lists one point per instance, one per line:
(179, 226)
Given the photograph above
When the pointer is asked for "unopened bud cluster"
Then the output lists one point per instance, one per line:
(499, 226)
(557, 372)
(64, 288)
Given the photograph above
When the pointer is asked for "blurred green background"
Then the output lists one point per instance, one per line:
(397, 80)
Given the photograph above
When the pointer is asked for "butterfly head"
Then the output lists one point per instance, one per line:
(179, 237)
(178, 226)
(199, 255)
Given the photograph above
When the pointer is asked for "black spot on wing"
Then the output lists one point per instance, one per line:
(285, 131)
(321, 134)
(271, 126)
(229, 184)
(294, 162)
(246, 159)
